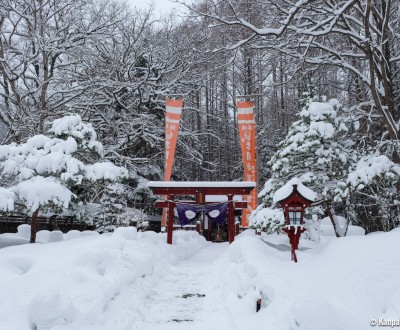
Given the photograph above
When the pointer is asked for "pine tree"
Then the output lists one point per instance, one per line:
(56, 172)
(113, 207)
(371, 191)
(314, 150)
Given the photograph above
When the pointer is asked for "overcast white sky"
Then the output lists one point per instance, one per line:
(161, 5)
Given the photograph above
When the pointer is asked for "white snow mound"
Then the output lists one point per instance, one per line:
(128, 233)
(49, 309)
(24, 231)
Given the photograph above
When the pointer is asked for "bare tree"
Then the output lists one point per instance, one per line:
(37, 64)
(359, 38)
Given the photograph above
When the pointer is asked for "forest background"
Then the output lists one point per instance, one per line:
(114, 65)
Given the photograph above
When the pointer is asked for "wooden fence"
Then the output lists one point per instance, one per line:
(10, 223)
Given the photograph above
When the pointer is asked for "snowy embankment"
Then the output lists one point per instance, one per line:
(340, 283)
(132, 280)
(69, 284)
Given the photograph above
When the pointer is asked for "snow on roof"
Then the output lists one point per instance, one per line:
(201, 184)
(222, 198)
(285, 191)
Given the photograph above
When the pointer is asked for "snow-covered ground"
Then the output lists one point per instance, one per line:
(132, 280)
(340, 283)
(7, 240)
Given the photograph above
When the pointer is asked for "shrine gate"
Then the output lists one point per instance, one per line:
(200, 190)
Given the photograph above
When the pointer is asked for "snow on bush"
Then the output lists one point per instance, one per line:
(75, 127)
(375, 181)
(271, 220)
(6, 199)
(309, 151)
(39, 191)
(313, 153)
(40, 155)
(267, 219)
(367, 170)
(105, 171)
(56, 172)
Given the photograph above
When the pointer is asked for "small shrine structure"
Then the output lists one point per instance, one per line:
(294, 198)
(200, 190)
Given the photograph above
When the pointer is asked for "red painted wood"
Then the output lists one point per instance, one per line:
(162, 204)
(209, 230)
(206, 191)
(240, 205)
(198, 226)
(237, 228)
(295, 198)
(294, 239)
(294, 257)
(170, 229)
(231, 220)
(200, 193)
(200, 197)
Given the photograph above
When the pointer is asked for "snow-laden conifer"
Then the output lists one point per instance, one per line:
(374, 182)
(55, 172)
(314, 151)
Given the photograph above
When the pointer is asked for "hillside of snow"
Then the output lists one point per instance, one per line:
(131, 280)
(341, 283)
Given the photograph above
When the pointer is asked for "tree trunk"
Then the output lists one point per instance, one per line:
(34, 225)
(340, 232)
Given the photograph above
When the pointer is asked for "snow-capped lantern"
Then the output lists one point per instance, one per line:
(294, 205)
(294, 197)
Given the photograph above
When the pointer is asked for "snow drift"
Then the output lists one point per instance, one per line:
(70, 283)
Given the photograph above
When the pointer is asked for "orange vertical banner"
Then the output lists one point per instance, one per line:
(247, 134)
(172, 118)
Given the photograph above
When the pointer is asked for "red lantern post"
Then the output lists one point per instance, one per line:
(293, 204)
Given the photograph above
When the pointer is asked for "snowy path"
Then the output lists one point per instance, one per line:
(184, 296)
(107, 282)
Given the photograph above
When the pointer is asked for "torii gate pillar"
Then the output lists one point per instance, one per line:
(200, 190)
(171, 206)
(231, 220)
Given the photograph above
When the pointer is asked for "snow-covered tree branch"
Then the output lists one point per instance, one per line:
(55, 172)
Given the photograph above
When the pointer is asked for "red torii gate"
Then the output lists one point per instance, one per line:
(200, 190)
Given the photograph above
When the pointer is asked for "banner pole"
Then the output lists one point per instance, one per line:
(173, 111)
(247, 133)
